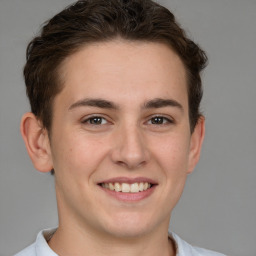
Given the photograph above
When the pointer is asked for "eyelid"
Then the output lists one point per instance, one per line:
(169, 119)
(86, 119)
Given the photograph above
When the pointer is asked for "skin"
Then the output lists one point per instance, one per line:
(129, 78)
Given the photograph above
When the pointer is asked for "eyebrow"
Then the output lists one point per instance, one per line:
(99, 103)
(160, 103)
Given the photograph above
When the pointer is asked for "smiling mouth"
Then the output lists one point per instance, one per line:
(127, 188)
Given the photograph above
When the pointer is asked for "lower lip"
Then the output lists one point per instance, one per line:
(129, 197)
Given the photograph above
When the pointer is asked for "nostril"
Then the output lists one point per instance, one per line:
(121, 163)
(130, 165)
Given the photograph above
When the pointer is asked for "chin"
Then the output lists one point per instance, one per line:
(129, 225)
(128, 232)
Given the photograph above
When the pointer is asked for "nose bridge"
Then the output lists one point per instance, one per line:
(130, 147)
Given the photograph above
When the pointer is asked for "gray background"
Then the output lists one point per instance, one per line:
(218, 207)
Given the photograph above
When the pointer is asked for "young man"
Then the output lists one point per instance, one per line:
(115, 90)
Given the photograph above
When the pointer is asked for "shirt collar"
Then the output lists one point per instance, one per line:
(42, 247)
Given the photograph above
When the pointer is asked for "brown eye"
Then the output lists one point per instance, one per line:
(95, 120)
(158, 120)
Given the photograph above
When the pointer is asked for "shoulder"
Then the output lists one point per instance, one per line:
(29, 251)
(185, 249)
(204, 252)
(40, 247)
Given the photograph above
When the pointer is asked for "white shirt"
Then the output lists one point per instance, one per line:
(41, 247)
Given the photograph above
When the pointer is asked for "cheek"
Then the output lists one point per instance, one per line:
(76, 159)
(172, 153)
(77, 155)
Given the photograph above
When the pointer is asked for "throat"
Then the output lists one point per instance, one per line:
(120, 247)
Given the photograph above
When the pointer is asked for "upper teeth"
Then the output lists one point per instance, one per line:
(127, 188)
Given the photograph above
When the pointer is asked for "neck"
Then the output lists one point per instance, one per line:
(75, 241)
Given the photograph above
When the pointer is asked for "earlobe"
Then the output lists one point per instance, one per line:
(196, 142)
(37, 142)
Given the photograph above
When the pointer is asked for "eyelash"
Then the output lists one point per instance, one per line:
(164, 119)
(91, 118)
(158, 118)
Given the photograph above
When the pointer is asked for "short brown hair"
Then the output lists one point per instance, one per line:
(88, 21)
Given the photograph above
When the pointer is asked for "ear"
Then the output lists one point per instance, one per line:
(37, 142)
(196, 142)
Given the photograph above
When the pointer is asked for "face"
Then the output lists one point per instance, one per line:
(120, 144)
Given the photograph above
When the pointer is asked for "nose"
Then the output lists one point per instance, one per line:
(130, 148)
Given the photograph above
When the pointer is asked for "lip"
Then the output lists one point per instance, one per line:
(129, 197)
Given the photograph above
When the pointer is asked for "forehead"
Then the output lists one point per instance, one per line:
(119, 69)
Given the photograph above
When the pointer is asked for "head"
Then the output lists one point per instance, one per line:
(93, 21)
(116, 84)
